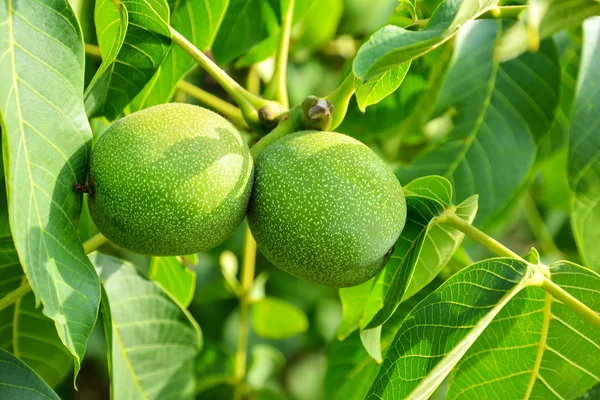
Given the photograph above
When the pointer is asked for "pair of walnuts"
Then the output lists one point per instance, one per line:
(177, 179)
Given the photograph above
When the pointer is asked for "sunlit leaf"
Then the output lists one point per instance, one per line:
(543, 19)
(391, 46)
(539, 348)
(584, 150)
(491, 314)
(171, 274)
(134, 39)
(46, 142)
(375, 89)
(420, 357)
(152, 340)
(277, 319)
(18, 381)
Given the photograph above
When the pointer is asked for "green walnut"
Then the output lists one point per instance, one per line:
(325, 208)
(172, 179)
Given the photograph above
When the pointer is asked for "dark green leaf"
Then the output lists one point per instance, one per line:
(246, 24)
(152, 340)
(134, 39)
(391, 46)
(46, 142)
(31, 336)
(569, 46)
(491, 147)
(197, 20)
(584, 149)
(18, 381)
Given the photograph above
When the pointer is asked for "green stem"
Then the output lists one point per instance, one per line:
(285, 127)
(93, 50)
(230, 111)
(565, 297)
(340, 98)
(15, 295)
(248, 102)
(277, 88)
(538, 227)
(248, 266)
(503, 12)
(480, 237)
(94, 243)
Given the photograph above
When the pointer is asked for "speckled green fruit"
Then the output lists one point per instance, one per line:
(172, 179)
(325, 208)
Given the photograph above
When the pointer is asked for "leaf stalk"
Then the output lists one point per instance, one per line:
(93, 243)
(479, 236)
(248, 267)
(249, 103)
(340, 98)
(229, 111)
(568, 300)
(15, 295)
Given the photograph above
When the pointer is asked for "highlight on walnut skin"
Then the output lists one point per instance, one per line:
(299, 200)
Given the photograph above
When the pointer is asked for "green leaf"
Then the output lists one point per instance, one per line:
(246, 24)
(371, 340)
(197, 20)
(491, 314)
(134, 39)
(273, 318)
(353, 301)
(152, 341)
(538, 346)
(174, 278)
(441, 243)
(391, 46)
(421, 357)
(569, 46)
(543, 19)
(491, 147)
(46, 142)
(376, 89)
(32, 337)
(584, 150)
(24, 330)
(18, 381)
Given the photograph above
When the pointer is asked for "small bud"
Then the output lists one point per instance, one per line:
(317, 113)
